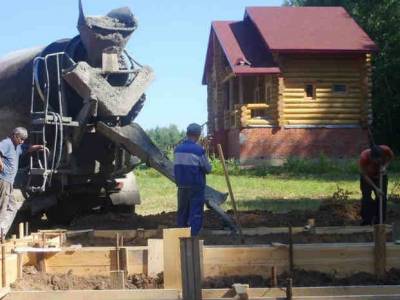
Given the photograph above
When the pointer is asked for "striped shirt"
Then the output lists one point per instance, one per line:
(191, 165)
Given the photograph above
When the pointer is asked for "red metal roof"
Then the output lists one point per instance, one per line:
(309, 29)
(266, 30)
(243, 47)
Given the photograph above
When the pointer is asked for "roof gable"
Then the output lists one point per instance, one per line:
(243, 47)
(309, 29)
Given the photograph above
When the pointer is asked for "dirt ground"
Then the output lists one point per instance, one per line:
(303, 278)
(329, 214)
(300, 238)
(33, 280)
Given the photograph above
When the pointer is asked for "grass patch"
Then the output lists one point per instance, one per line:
(272, 192)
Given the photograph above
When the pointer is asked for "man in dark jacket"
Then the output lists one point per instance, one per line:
(190, 167)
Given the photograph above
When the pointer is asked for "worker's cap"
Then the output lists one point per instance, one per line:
(376, 152)
(194, 129)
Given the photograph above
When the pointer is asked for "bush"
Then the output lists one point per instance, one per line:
(232, 166)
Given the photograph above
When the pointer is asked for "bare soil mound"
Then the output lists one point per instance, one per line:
(34, 280)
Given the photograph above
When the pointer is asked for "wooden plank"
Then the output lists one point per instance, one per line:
(137, 262)
(162, 294)
(343, 259)
(127, 234)
(155, 256)
(172, 265)
(11, 269)
(318, 230)
(337, 291)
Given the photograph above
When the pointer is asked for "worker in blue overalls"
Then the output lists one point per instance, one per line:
(190, 167)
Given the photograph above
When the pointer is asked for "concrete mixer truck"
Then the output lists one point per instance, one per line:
(79, 98)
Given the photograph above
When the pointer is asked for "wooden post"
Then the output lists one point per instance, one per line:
(289, 289)
(172, 261)
(19, 265)
(3, 261)
(281, 101)
(21, 230)
(228, 183)
(155, 257)
(26, 228)
(190, 268)
(117, 252)
(274, 277)
(381, 217)
(43, 240)
(117, 277)
(291, 259)
(380, 250)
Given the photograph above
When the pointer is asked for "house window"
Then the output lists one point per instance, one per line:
(339, 88)
(268, 90)
(259, 91)
(309, 91)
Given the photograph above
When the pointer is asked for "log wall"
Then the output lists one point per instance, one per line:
(327, 107)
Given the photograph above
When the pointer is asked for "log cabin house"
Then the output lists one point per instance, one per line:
(289, 82)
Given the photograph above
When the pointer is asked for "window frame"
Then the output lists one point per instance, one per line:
(314, 91)
(345, 92)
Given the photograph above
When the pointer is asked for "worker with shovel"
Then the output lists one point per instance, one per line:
(373, 163)
(190, 167)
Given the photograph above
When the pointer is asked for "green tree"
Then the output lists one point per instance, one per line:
(166, 137)
(381, 20)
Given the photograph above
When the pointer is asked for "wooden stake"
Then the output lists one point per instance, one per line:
(21, 231)
(380, 250)
(380, 204)
(291, 259)
(289, 289)
(19, 265)
(117, 277)
(228, 183)
(3, 261)
(190, 268)
(274, 277)
(26, 229)
(117, 252)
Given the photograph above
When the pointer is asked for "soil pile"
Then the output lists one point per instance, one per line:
(36, 281)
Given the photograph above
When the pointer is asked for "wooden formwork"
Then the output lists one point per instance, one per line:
(45, 250)
(340, 258)
(324, 293)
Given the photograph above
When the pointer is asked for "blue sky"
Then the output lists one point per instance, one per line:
(172, 38)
